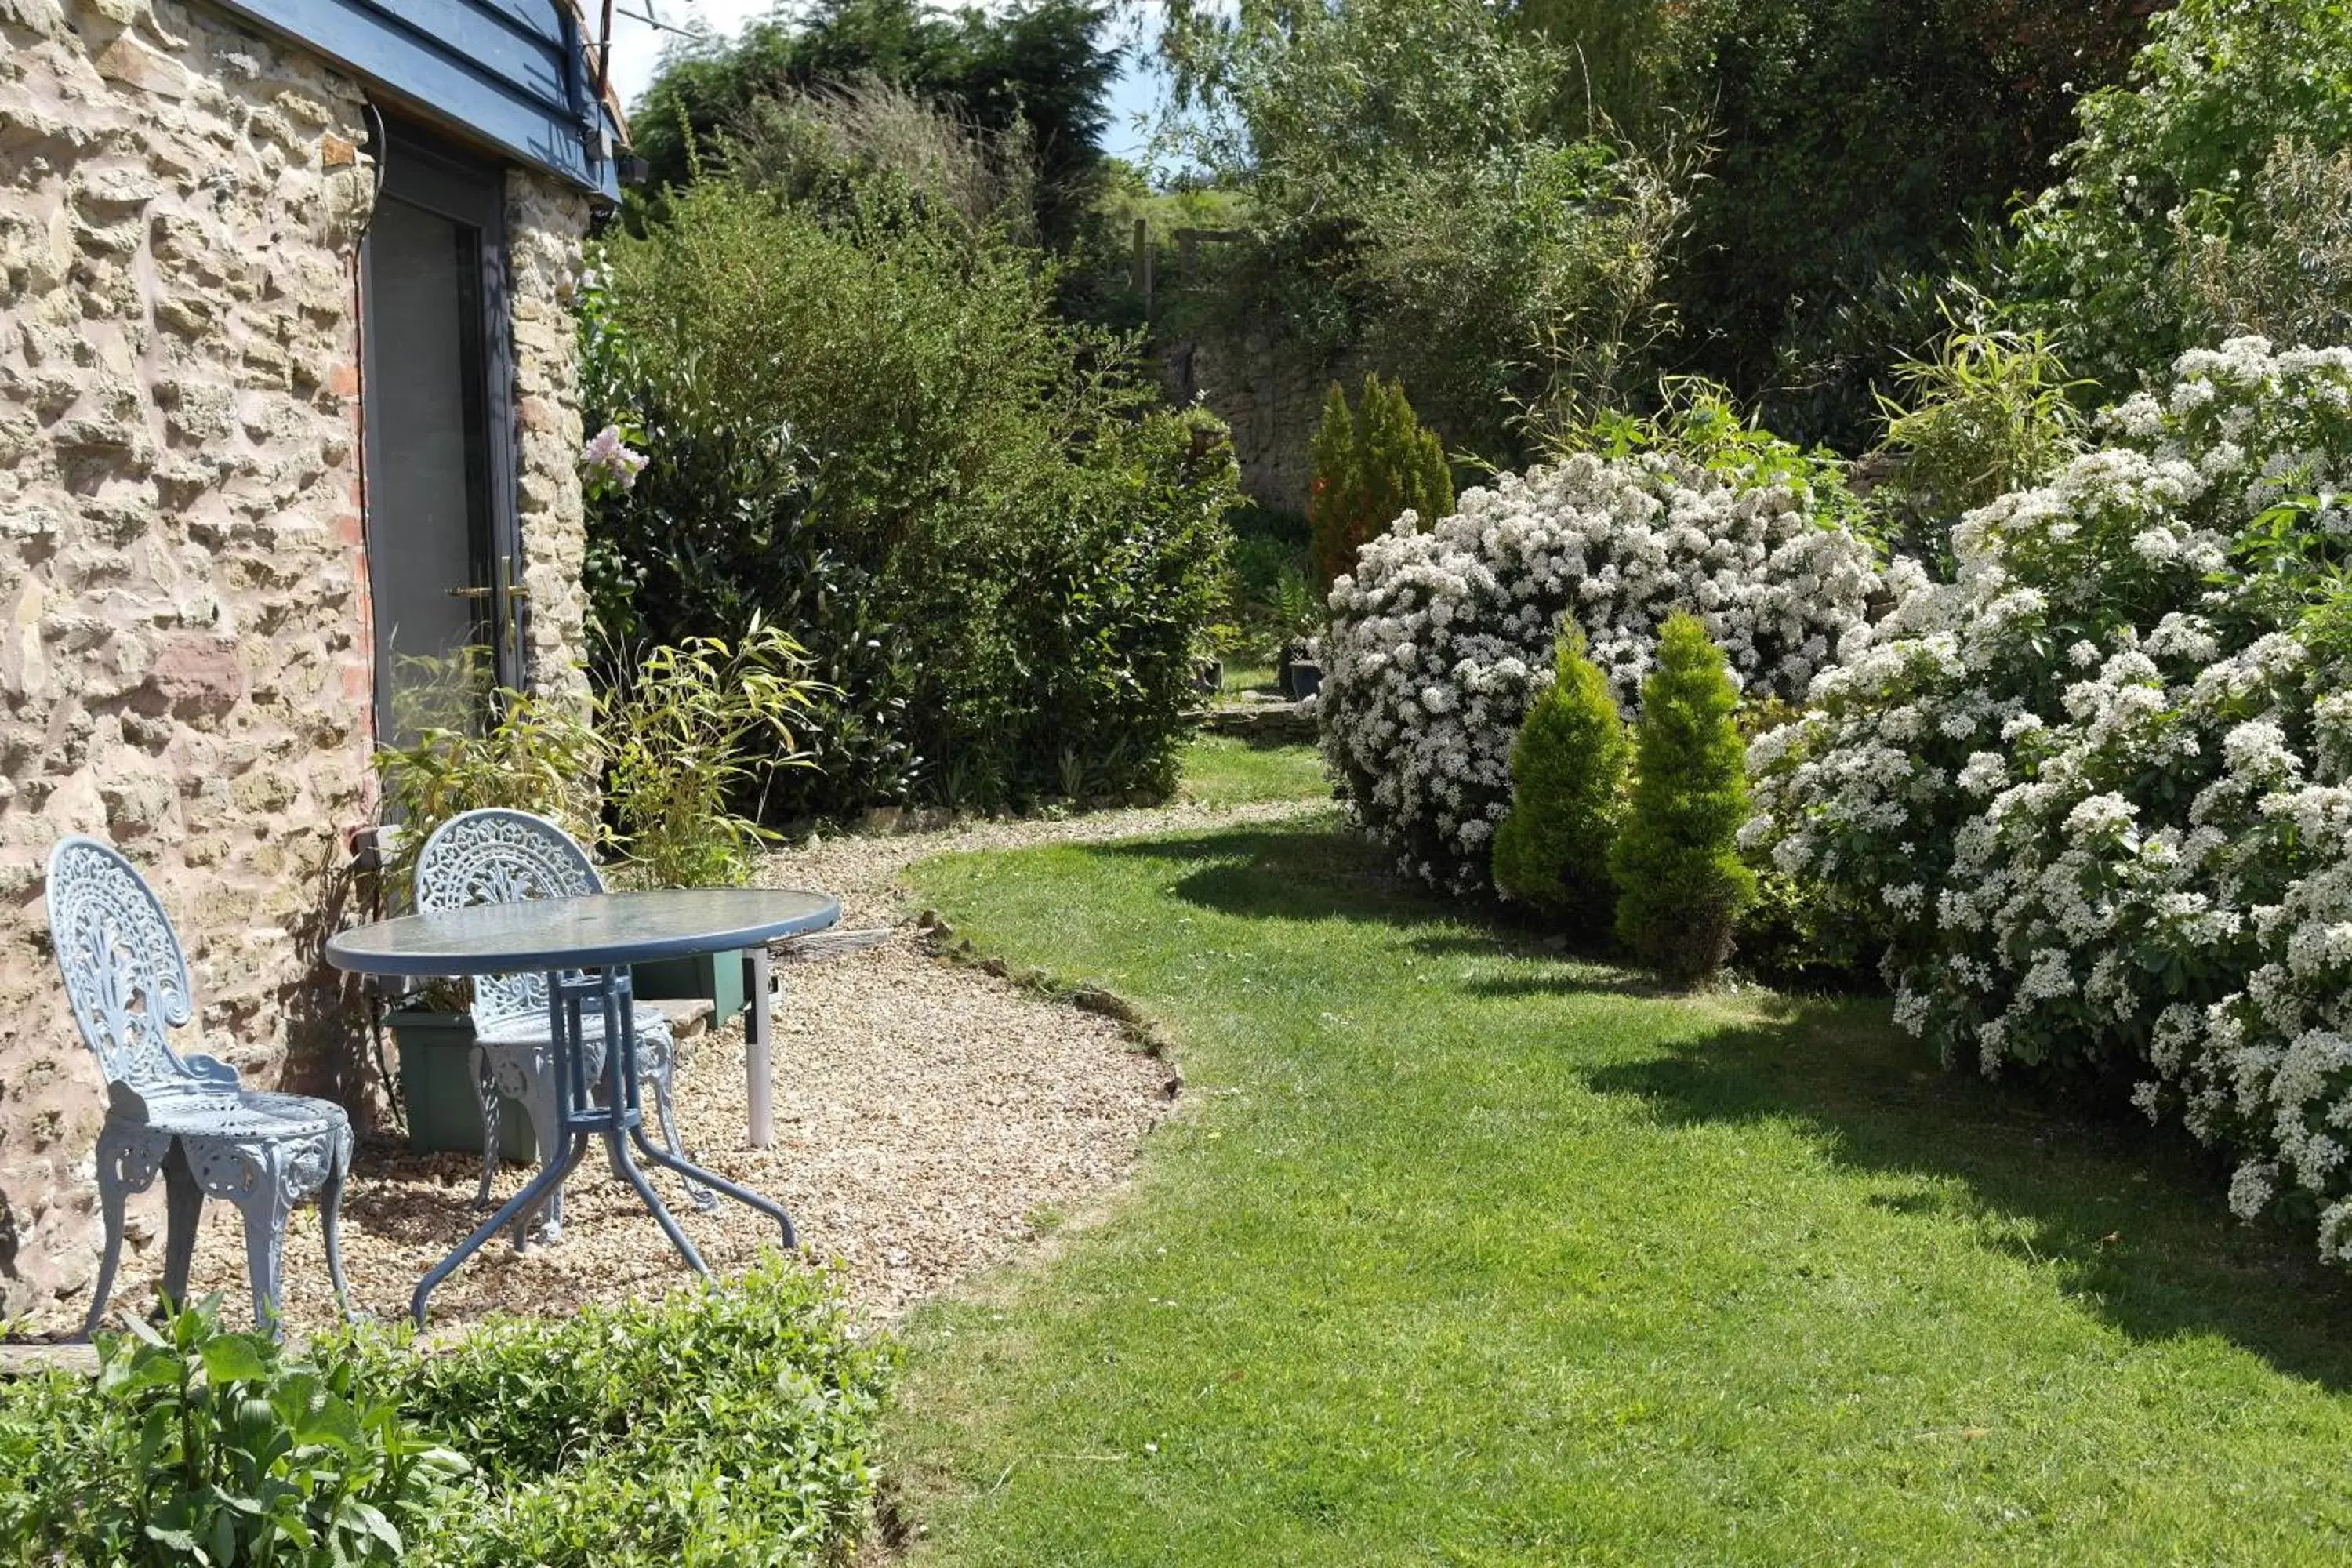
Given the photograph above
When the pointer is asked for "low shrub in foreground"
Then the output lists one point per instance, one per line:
(716, 1427)
(200, 1444)
(730, 1426)
(1681, 883)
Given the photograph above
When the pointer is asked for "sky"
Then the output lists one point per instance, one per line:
(637, 50)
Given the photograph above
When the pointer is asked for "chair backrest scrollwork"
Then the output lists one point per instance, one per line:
(123, 969)
(502, 856)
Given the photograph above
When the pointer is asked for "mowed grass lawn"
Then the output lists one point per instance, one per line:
(1466, 1253)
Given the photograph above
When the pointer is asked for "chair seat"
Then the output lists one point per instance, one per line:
(532, 1028)
(242, 1114)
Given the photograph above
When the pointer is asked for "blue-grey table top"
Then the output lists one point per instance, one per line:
(592, 932)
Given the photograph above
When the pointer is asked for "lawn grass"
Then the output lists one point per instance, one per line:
(1243, 678)
(1223, 770)
(1465, 1254)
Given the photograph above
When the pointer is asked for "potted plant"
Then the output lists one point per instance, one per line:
(528, 752)
(689, 730)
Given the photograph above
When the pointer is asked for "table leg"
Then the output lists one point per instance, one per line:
(695, 1173)
(619, 1121)
(759, 1070)
(550, 1176)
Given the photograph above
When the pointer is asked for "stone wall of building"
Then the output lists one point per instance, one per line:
(545, 222)
(183, 669)
(185, 648)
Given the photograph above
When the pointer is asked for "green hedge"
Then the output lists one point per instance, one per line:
(730, 1426)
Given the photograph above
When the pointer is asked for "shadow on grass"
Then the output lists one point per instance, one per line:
(2132, 1216)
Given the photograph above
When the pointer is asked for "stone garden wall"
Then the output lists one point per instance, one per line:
(184, 638)
(1271, 403)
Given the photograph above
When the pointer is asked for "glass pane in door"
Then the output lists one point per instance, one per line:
(427, 523)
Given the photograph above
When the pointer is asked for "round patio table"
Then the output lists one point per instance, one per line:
(585, 946)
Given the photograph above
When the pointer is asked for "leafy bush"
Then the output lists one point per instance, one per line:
(1041, 73)
(519, 750)
(720, 1427)
(2094, 791)
(868, 428)
(2290, 278)
(1372, 464)
(1568, 766)
(731, 1427)
(200, 1444)
(1860, 144)
(1438, 639)
(677, 730)
(1988, 414)
(2171, 162)
(1681, 883)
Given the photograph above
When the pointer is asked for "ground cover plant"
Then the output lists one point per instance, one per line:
(730, 1426)
(1462, 1253)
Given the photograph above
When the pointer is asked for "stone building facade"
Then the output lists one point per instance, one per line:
(186, 666)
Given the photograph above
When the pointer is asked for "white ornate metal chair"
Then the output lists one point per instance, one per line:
(500, 856)
(185, 1116)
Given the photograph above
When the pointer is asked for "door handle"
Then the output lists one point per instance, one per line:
(478, 595)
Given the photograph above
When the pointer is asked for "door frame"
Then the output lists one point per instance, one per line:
(465, 188)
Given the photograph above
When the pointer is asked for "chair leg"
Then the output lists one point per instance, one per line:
(486, 1087)
(545, 1108)
(702, 1197)
(265, 1211)
(184, 1205)
(330, 1217)
(113, 1197)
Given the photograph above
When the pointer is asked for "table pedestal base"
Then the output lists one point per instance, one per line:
(619, 1120)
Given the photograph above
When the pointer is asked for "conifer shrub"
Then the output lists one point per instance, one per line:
(1372, 464)
(1568, 771)
(1676, 858)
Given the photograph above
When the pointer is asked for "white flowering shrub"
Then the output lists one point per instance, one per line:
(2098, 789)
(1440, 639)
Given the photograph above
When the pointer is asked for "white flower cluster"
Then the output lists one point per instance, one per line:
(2098, 789)
(1441, 639)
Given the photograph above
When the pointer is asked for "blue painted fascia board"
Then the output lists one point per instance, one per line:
(472, 67)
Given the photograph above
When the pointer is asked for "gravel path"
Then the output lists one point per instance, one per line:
(930, 1118)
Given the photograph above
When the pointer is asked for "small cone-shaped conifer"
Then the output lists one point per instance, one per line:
(1372, 464)
(1681, 883)
(1568, 768)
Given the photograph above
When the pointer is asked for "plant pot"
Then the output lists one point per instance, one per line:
(436, 1084)
(716, 977)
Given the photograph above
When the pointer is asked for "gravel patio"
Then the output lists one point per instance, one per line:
(931, 1120)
